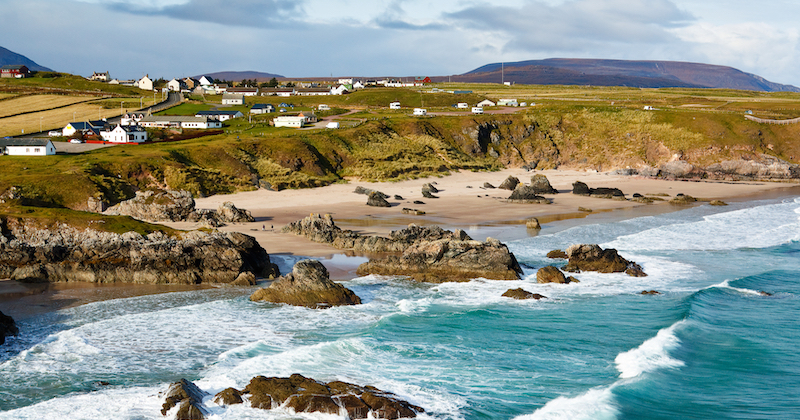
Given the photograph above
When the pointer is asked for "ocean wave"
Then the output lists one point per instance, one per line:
(596, 404)
(652, 355)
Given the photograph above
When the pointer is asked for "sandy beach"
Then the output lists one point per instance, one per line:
(462, 203)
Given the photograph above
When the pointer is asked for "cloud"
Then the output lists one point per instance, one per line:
(577, 25)
(253, 13)
(395, 17)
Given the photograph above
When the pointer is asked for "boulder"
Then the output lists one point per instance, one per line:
(445, 260)
(7, 327)
(428, 194)
(156, 206)
(377, 200)
(682, 200)
(533, 223)
(650, 292)
(188, 397)
(398, 197)
(429, 188)
(590, 257)
(526, 194)
(580, 188)
(488, 186)
(306, 395)
(718, 203)
(228, 396)
(557, 254)
(367, 191)
(541, 185)
(510, 183)
(228, 213)
(551, 274)
(521, 294)
(307, 285)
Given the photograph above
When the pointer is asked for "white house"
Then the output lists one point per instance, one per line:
(339, 90)
(394, 105)
(358, 85)
(125, 134)
(100, 77)
(206, 81)
(486, 102)
(507, 102)
(477, 110)
(462, 105)
(175, 85)
(219, 115)
(145, 83)
(26, 147)
(262, 109)
(289, 121)
(131, 118)
(648, 108)
(246, 91)
(420, 111)
(179, 121)
(309, 118)
(83, 127)
(232, 99)
(346, 81)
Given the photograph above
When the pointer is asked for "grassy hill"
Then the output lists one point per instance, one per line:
(574, 127)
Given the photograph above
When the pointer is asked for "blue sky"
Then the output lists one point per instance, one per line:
(315, 38)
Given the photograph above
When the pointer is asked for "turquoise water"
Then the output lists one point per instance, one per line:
(709, 347)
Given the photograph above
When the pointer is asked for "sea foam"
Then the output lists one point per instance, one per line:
(652, 355)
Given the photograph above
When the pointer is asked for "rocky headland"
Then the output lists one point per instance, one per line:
(66, 254)
(307, 285)
(176, 206)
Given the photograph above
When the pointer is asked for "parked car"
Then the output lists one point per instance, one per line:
(76, 141)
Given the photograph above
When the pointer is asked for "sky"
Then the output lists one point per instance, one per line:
(358, 38)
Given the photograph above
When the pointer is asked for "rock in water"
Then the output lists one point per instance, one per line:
(307, 285)
(590, 257)
(7, 327)
(189, 397)
(377, 200)
(228, 213)
(541, 185)
(228, 396)
(510, 183)
(446, 260)
(521, 294)
(526, 194)
(551, 274)
(682, 200)
(533, 223)
(557, 254)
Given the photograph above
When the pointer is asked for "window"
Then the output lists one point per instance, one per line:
(36, 150)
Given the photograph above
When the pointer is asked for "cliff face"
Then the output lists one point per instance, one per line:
(66, 254)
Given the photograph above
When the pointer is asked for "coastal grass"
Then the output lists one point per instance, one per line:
(31, 103)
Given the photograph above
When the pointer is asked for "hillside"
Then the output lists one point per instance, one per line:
(8, 57)
(648, 74)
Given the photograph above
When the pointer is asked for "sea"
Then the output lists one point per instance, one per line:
(720, 341)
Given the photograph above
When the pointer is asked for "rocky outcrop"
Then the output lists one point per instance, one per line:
(521, 294)
(189, 399)
(541, 185)
(7, 327)
(682, 200)
(66, 254)
(446, 260)
(590, 257)
(177, 206)
(228, 396)
(757, 167)
(580, 188)
(510, 183)
(307, 285)
(321, 228)
(557, 254)
(228, 213)
(526, 194)
(551, 274)
(375, 199)
(305, 395)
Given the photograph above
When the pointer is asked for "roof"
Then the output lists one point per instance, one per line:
(13, 67)
(217, 113)
(23, 142)
(262, 106)
(173, 118)
(232, 96)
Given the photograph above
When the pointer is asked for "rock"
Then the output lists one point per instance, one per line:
(759, 167)
(488, 186)
(526, 194)
(428, 194)
(541, 185)
(413, 211)
(245, 279)
(398, 197)
(305, 395)
(679, 169)
(533, 223)
(718, 203)
(510, 183)
(557, 254)
(66, 254)
(551, 274)
(682, 200)
(189, 397)
(7, 327)
(445, 260)
(228, 213)
(590, 257)
(650, 292)
(13, 193)
(156, 206)
(228, 396)
(96, 205)
(307, 285)
(418, 202)
(367, 191)
(580, 188)
(429, 188)
(521, 294)
(584, 209)
(377, 200)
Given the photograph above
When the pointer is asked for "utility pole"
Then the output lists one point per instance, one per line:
(502, 73)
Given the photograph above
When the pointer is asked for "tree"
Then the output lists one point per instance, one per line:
(273, 82)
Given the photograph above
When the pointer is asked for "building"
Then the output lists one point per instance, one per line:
(100, 77)
(462, 105)
(219, 115)
(485, 102)
(420, 112)
(507, 102)
(145, 83)
(14, 71)
(176, 85)
(339, 90)
(477, 110)
(421, 80)
(313, 91)
(310, 118)
(246, 91)
(179, 121)
(26, 147)
(206, 81)
(84, 127)
(131, 118)
(394, 105)
(262, 109)
(285, 91)
(232, 99)
(289, 121)
(191, 83)
(124, 134)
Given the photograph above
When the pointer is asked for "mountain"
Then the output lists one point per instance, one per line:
(646, 74)
(236, 76)
(8, 57)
